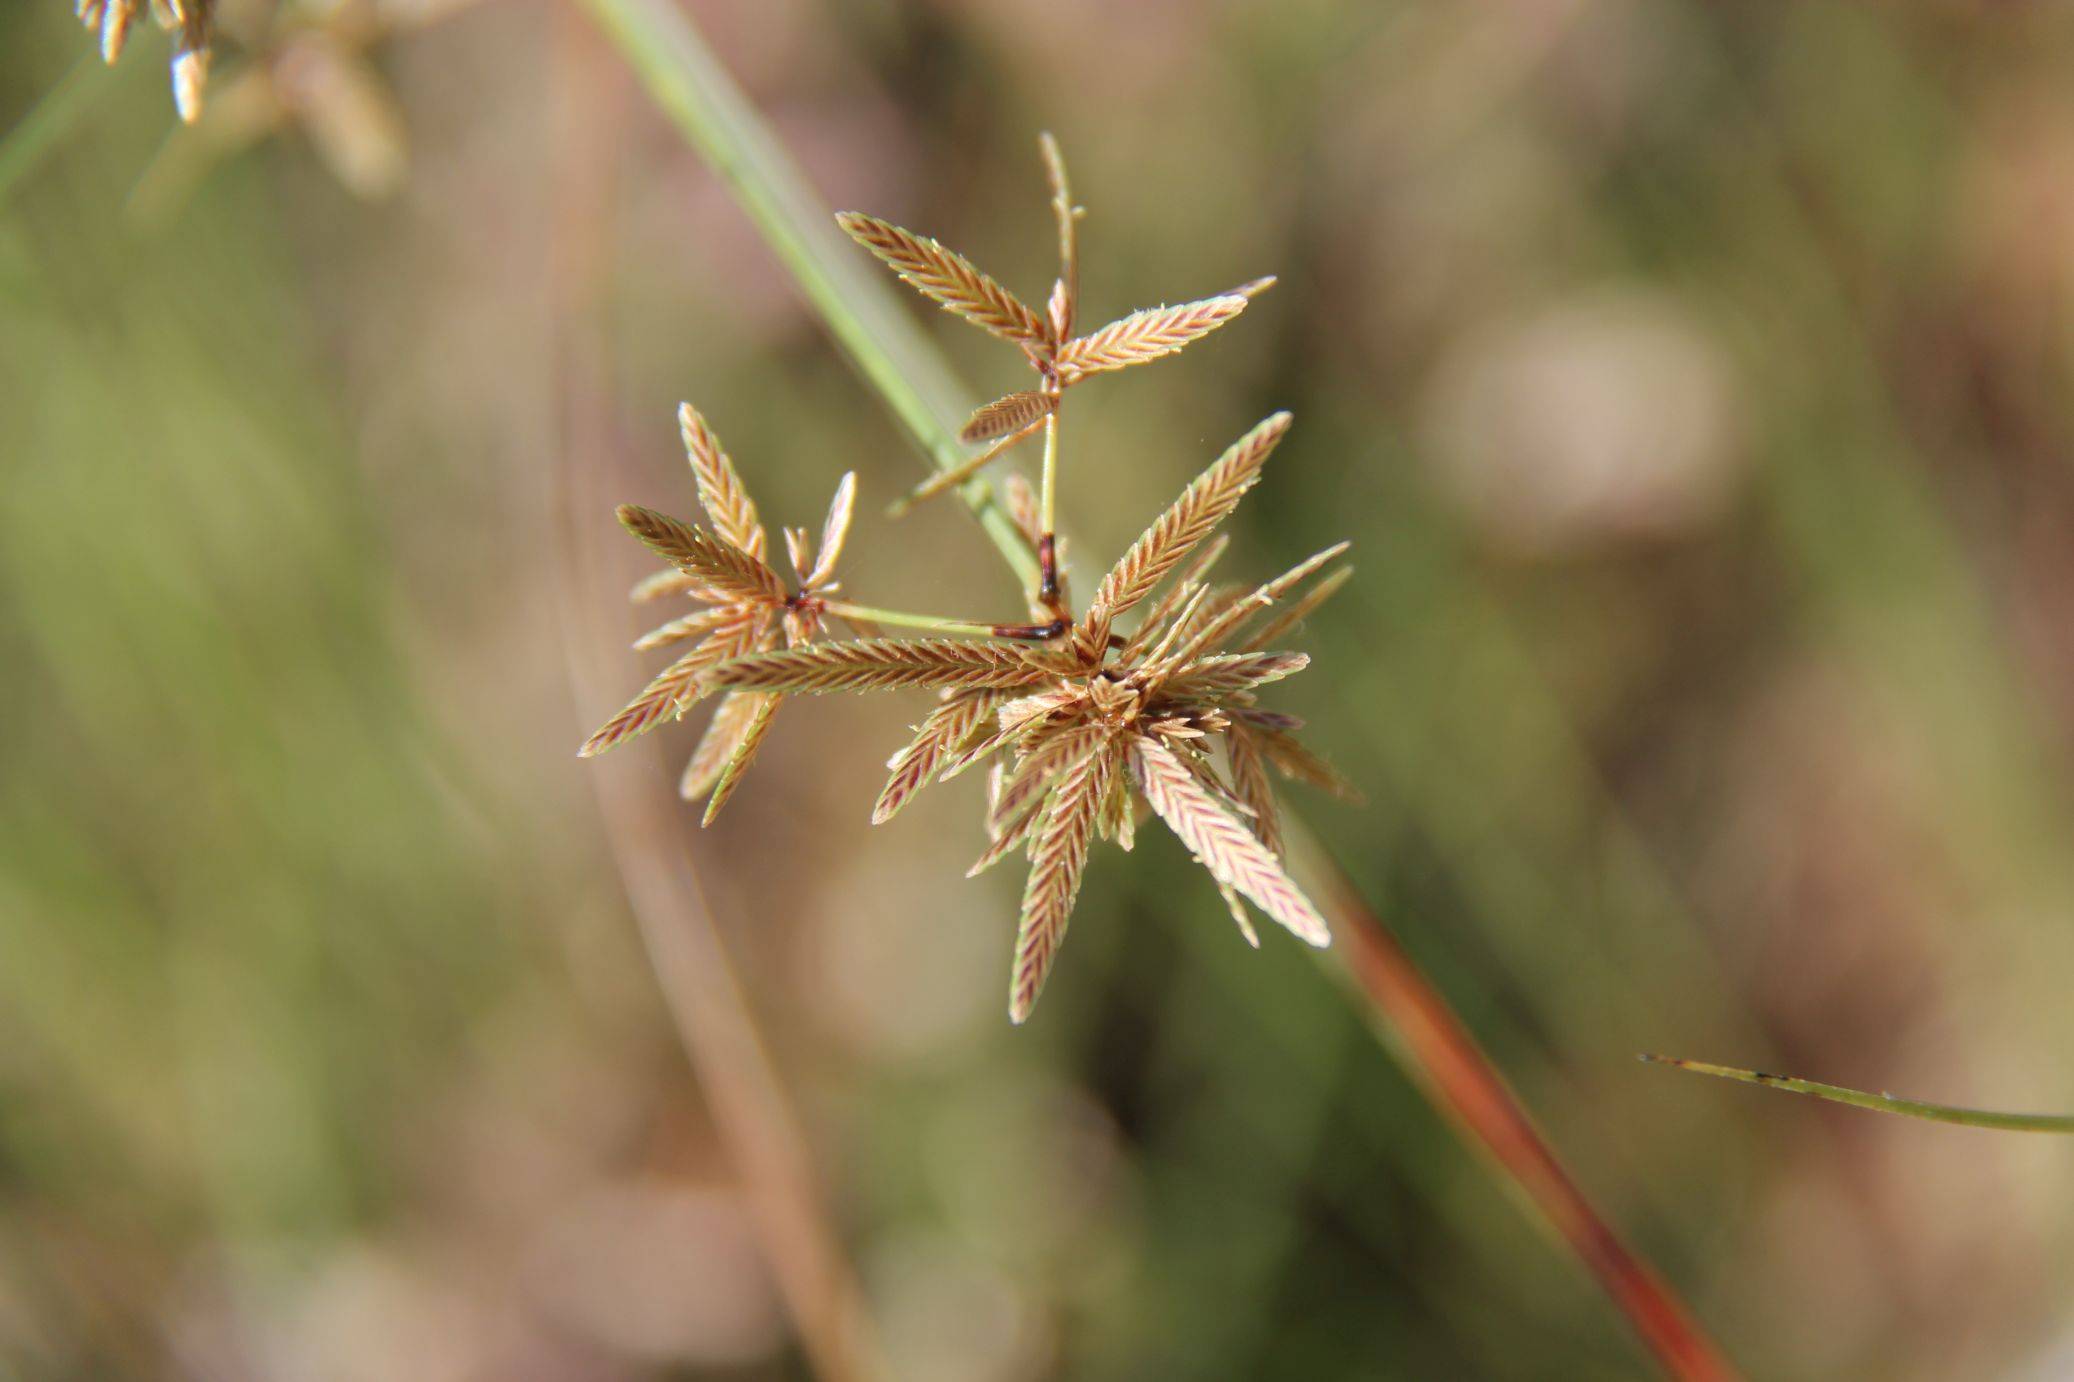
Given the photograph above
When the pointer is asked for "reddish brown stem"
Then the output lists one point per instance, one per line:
(1048, 573)
(1032, 633)
(1431, 1042)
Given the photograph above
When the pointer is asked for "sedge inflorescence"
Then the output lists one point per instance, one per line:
(1088, 723)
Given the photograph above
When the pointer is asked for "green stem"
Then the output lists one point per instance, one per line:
(902, 619)
(33, 137)
(1881, 1103)
(1047, 506)
(872, 327)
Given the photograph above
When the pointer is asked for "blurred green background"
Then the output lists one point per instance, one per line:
(1692, 379)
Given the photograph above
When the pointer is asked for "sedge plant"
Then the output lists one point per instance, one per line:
(1089, 720)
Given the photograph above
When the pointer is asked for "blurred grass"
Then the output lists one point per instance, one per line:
(303, 934)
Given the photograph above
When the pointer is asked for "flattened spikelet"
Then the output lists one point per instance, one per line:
(1145, 336)
(835, 529)
(1297, 612)
(1040, 765)
(1210, 677)
(1208, 501)
(950, 278)
(672, 692)
(1005, 415)
(721, 491)
(881, 664)
(1226, 848)
(1168, 605)
(689, 626)
(1016, 834)
(1057, 859)
(724, 567)
(672, 582)
(1232, 614)
(946, 728)
(717, 745)
(1249, 783)
(744, 753)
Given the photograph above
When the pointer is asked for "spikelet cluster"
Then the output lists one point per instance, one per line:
(741, 604)
(1047, 339)
(1144, 705)
(1164, 721)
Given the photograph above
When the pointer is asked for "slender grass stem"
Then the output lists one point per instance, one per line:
(1880, 1103)
(902, 619)
(1412, 1018)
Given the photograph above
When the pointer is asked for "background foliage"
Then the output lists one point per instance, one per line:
(1693, 382)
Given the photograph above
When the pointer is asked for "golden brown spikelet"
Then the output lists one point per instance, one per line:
(1145, 336)
(721, 491)
(718, 564)
(951, 280)
(1227, 849)
(1057, 859)
(1014, 835)
(744, 752)
(946, 728)
(1227, 618)
(1298, 611)
(1207, 501)
(1211, 677)
(1007, 414)
(1158, 620)
(717, 745)
(1249, 783)
(689, 626)
(674, 690)
(882, 664)
(1041, 763)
